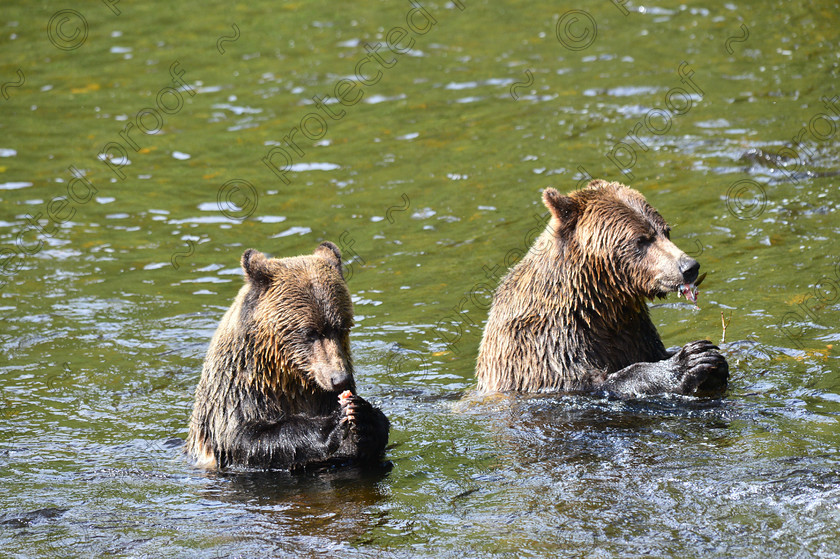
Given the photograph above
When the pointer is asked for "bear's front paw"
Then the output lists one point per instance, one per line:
(700, 369)
(354, 411)
(360, 418)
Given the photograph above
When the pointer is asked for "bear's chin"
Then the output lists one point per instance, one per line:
(661, 292)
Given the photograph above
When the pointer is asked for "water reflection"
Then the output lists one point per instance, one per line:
(338, 505)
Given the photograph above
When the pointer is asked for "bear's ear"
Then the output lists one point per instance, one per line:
(564, 208)
(255, 265)
(329, 252)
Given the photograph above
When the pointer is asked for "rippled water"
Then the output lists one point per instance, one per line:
(429, 182)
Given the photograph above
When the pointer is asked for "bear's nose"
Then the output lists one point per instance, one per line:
(340, 380)
(689, 268)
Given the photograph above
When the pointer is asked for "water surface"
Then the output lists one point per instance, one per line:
(430, 184)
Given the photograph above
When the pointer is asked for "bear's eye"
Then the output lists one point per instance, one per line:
(643, 241)
(642, 244)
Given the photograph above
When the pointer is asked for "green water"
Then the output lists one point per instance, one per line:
(429, 179)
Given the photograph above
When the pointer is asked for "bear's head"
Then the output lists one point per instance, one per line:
(298, 314)
(619, 242)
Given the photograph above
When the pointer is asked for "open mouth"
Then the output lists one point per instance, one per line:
(689, 290)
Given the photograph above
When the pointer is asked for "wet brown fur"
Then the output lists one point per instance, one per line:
(272, 358)
(573, 310)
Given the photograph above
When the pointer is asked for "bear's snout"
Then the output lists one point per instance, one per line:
(689, 268)
(341, 380)
(329, 366)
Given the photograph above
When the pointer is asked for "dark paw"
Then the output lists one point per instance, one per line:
(361, 420)
(701, 369)
(356, 416)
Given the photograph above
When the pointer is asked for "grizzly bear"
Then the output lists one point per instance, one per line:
(572, 314)
(277, 387)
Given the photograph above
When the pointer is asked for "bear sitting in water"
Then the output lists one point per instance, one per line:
(277, 387)
(572, 316)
